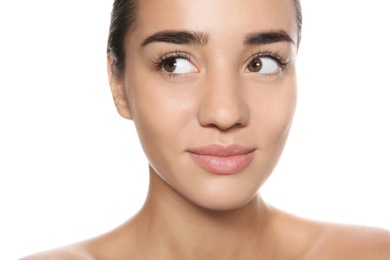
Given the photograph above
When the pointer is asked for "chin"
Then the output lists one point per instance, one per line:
(224, 205)
(223, 197)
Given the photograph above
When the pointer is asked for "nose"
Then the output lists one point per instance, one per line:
(223, 104)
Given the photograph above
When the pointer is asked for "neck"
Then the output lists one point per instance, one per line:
(179, 229)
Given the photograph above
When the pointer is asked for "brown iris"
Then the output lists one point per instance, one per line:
(170, 65)
(255, 65)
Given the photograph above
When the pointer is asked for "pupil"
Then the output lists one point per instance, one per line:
(170, 65)
(255, 66)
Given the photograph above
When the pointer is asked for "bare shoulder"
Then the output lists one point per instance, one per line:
(115, 244)
(72, 252)
(339, 241)
(323, 240)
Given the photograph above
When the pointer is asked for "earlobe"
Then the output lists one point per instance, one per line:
(117, 89)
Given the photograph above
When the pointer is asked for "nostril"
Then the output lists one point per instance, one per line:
(224, 117)
(223, 104)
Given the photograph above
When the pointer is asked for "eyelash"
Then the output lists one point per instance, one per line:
(282, 61)
(159, 62)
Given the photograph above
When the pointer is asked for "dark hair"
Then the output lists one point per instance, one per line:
(123, 18)
(298, 14)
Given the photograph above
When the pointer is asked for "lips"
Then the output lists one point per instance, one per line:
(220, 159)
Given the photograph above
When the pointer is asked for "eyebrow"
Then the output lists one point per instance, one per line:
(267, 38)
(178, 37)
(201, 39)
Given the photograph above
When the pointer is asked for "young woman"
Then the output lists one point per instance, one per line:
(211, 88)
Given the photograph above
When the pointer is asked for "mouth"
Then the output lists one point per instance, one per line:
(222, 160)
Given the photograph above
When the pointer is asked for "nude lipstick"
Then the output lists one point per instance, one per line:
(222, 160)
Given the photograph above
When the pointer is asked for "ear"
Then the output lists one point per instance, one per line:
(117, 89)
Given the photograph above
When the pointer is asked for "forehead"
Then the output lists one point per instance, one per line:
(223, 19)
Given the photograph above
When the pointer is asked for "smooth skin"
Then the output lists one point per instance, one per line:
(211, 97)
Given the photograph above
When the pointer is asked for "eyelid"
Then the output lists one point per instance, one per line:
(282, 61)
(159, 61)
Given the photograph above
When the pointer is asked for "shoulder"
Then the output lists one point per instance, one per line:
(112, 245)
(72, 252)
(351, 242)
(323, 240)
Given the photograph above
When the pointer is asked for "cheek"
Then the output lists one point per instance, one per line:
(273, 113)
(161, 113)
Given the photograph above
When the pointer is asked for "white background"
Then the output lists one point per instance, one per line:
(71, 168)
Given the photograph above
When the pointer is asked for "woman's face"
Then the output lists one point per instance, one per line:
(211, 88)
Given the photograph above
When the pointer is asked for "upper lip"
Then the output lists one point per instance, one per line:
(220, 150)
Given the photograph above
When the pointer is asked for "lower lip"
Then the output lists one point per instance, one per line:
(223, 164)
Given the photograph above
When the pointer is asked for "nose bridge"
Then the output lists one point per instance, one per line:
(223, 103)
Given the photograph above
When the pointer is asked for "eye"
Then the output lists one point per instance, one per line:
(264, 65)
(175, 65)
